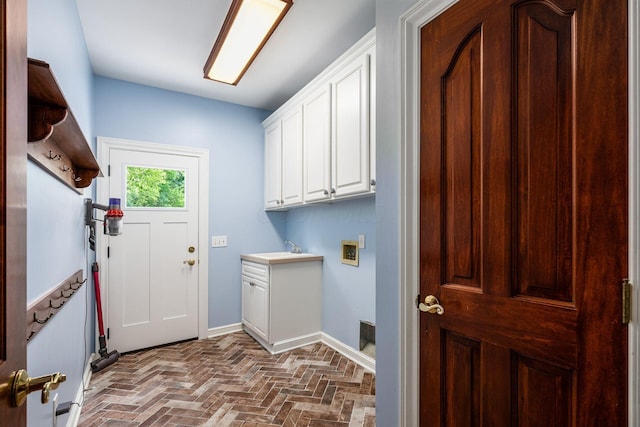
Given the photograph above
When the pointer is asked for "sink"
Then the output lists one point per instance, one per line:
(280, 257)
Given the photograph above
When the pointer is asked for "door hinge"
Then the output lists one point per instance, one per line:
(626, 301)
(108, 251)
(108, 170)
(108, 333)
(418, 301)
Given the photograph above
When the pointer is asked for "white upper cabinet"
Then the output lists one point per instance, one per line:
(283, 161)
(292, 157)
(273, 166)
(317, 144)
(372, 118)
(327, 135)
(350, 129)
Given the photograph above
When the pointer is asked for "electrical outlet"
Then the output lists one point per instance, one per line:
(218, 241)
(361, 241)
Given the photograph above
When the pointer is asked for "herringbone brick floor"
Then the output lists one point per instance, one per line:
(231, 381)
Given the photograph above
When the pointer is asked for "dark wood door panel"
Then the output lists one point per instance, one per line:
(461, 371)
(543, 392)
(523, 213)
(544, 75)
(13, 178)
(461, 115)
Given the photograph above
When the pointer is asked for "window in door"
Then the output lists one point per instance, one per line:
(155, 188)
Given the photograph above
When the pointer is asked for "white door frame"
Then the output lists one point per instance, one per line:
(102, 196)
(410, 24)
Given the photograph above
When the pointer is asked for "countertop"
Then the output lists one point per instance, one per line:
(270, 258)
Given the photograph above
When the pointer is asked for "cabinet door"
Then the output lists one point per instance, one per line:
(372, 118)
(273, 166)
(317, 145)
(255, 306)
(292, 157)
(350, 128)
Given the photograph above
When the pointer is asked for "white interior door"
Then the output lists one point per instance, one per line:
(152, 286)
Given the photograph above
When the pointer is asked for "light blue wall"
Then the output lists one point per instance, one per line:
(234, 136)
(348, 292)
(55, 230)
(388, 135)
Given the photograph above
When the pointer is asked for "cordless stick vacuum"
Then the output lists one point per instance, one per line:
(106, 358)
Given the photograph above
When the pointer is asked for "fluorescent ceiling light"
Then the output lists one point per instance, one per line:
(247, 27)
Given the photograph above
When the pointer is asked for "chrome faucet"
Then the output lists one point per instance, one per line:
(294, 248)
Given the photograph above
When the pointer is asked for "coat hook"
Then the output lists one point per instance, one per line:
(65, 168)
(54, 156)
(69, 294)
(76, 285)
(42, 321)
(55, 307)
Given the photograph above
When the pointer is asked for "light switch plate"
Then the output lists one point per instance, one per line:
(218, 241)
(361, 241)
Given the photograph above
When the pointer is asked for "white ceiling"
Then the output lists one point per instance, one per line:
(165, 43)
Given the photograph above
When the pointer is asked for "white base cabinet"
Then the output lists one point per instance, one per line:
(282, 303)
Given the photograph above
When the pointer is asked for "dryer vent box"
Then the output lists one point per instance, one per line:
(350, 252)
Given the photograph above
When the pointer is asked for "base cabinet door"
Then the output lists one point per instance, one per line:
(255, 306)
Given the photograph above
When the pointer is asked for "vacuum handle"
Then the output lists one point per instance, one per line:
(96, 285)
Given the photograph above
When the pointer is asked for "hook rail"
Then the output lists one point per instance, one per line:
(42, 310)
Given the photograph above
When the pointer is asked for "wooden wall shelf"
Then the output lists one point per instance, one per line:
(56, 142)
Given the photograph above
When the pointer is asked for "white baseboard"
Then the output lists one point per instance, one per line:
(349, 352)
(224, 330)
(282, 346)
(74, 413)
(360, 358)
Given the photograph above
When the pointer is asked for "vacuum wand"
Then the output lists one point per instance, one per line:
(106, 358)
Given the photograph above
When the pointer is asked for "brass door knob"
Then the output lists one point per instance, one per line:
(189, 261)
(22, 384)
(431, 305)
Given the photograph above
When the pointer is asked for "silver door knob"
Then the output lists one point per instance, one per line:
(431, 305)
(189, 261)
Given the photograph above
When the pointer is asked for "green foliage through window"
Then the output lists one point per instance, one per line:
(155, 188)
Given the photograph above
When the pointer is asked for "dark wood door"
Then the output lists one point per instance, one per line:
(13, 192)
(523, 234)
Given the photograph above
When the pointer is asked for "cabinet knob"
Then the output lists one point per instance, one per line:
(326, 192)
(372, 182)
(333, 191)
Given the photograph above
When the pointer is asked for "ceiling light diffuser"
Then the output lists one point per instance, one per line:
(246, 29)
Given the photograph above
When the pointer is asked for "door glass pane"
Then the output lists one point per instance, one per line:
(155, 188)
